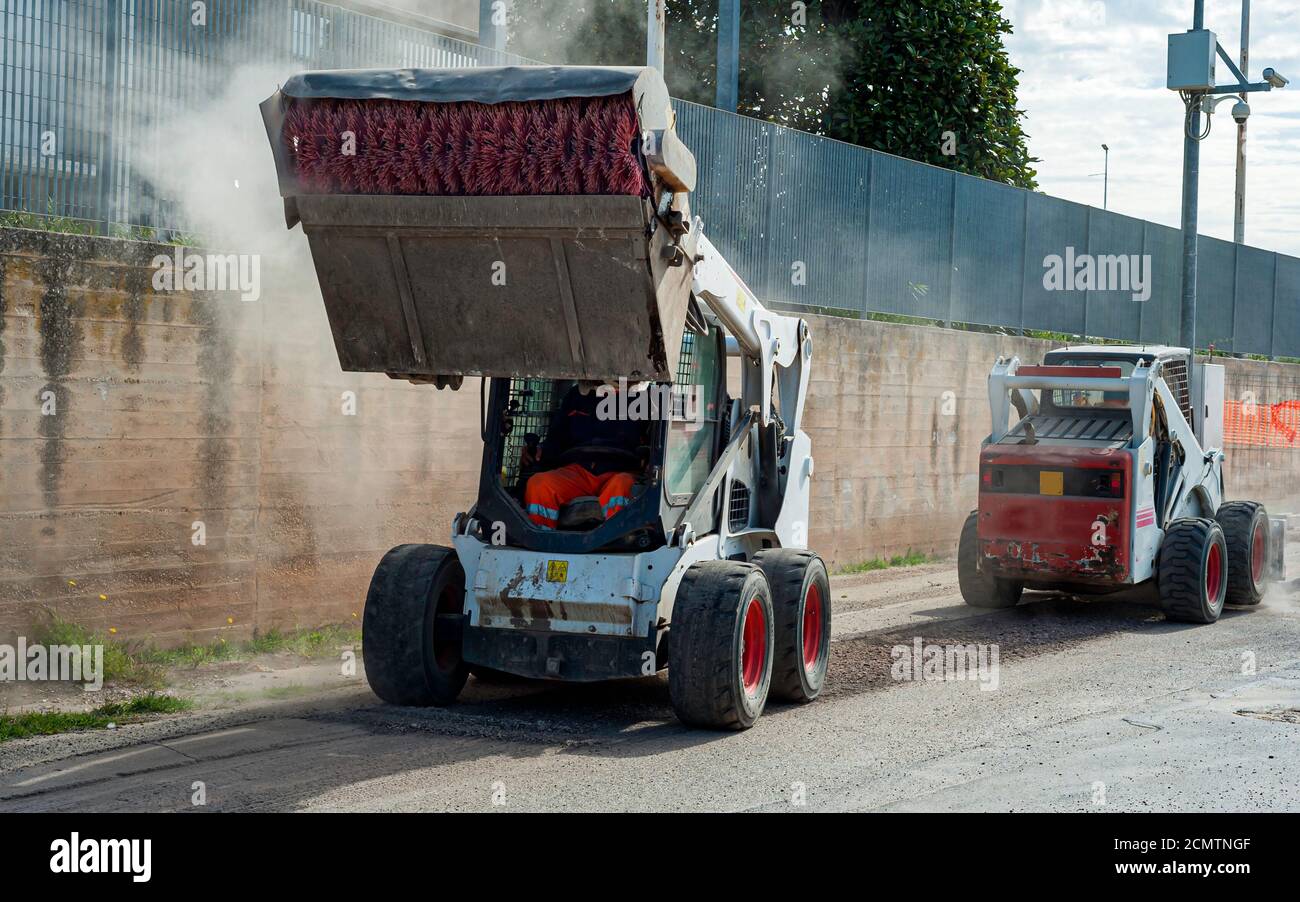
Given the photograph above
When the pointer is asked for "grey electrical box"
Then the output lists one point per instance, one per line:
(1191, 60)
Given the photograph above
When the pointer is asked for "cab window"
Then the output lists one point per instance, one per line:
(696, 413)
(1078, 398)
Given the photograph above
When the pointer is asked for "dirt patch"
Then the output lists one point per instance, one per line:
(1281, 715)
(864, 663)
(877, 588)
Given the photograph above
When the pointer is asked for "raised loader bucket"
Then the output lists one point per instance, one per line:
(514, 221)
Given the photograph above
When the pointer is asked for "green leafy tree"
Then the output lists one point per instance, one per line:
(894, 75)
(930, 81)
(785, 68)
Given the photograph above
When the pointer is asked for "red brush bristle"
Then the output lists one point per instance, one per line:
(622, 169)
(564, 146)
(571, 172)
(413, 158)
(586, 141)
(514, 149)
(489, 158)
(344, 145)
(471, 123)
(442, 145)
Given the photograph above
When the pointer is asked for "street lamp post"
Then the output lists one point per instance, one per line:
(1239, 199)
(1105, 179)
(1191, 183)
(1192, 57)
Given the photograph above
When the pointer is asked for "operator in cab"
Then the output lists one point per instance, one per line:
(587, 452)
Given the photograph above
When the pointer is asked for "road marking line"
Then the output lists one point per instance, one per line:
(85, 764)
(200, 736)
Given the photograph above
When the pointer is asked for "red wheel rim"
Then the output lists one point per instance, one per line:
(1213, 575)
(753, 650)
(1257, 555)
(812, 627)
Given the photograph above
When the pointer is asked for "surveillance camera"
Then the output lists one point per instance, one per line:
(1277, 81)
(1241, 111)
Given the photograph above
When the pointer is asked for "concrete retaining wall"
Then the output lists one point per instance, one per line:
(182, 465)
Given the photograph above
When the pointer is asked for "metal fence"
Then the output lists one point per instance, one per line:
(806, 220)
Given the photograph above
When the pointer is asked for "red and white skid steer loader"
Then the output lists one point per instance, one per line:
(531, 226)
(1112, 478)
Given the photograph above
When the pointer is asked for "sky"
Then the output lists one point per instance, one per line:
(1094, 73)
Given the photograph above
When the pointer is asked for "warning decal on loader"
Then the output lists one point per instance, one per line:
(557, 571)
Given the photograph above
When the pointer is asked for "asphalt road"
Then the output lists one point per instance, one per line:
(1099, 705)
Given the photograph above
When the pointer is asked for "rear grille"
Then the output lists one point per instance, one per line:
(1080, 428)
(738, 509)
(1174, 372)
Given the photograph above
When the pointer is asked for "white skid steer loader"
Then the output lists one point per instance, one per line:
(704, 570)
(1112, 478)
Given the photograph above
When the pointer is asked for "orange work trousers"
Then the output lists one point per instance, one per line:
(547, 492)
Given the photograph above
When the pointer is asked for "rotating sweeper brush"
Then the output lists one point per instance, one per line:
(583, 145)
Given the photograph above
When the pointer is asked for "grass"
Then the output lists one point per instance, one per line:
(45, 723)
(120, 664)
(147, 667)
(313, 643)
(909, 559)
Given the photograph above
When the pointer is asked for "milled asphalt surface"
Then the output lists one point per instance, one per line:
(1100, 705)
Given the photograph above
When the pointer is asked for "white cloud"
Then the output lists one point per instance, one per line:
(1094, 73)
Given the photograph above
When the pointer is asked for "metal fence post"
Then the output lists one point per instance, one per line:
(107, 177)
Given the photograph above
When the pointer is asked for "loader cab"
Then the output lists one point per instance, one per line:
(1169, 364)
(684, 426)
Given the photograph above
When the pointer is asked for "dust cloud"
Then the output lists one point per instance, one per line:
(348, 462)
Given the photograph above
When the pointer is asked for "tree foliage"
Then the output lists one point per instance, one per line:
(893, 75)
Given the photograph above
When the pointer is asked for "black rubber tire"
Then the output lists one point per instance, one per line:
(708, 626)
(791, 574)
(406, 664)
(1182, 571)
(980, 589)
(1242, 523)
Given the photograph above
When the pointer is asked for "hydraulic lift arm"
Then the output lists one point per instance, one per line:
(778, 347)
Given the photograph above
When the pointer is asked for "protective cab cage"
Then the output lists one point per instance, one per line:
(517, 414)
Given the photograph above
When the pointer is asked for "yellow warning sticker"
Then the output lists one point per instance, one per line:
(1051, 482)
(558, 571)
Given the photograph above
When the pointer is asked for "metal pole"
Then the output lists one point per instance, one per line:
(654, 34)
(1239, 208)
(107, 165)
(728, 55)
(1191, 177)
(1105, 180)
(490, 35)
